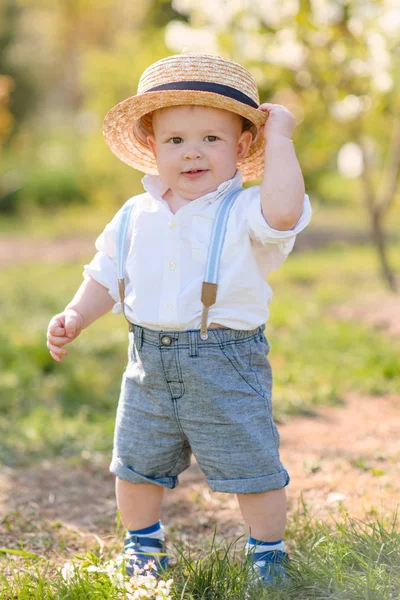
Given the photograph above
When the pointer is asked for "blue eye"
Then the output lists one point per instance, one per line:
(211, 138)
(175, 140)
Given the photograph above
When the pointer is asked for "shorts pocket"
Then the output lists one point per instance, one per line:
(250, 361)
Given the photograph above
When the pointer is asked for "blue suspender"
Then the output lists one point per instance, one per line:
(122, 228)
(210, 283)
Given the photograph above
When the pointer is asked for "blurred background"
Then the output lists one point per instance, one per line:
(334, 327)
(63, 65)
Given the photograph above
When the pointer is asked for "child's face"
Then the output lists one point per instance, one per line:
(197, 148)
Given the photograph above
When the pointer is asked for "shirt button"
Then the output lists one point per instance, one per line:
(168, 306)
(172, 224)
(171, 265)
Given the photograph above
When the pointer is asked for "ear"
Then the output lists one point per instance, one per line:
(152, 144)
(244, 144)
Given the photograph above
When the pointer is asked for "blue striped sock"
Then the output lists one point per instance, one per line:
(259, 546)
(154, 531)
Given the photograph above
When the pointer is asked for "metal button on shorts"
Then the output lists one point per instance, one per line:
(166, 340)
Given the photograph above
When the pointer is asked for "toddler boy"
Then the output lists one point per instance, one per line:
(199, 248)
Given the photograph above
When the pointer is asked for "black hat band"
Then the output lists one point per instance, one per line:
(206, 86)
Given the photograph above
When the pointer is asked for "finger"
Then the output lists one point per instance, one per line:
(271, 105)
(70, 327)
(60, 331)
(56, 333)
(266, 107)
(55, 356)
(55, 324)
(71, 334)
(58, 341)
(56, 349)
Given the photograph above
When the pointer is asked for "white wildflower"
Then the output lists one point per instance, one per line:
(68, 572)
(94, 569)
(141, 584)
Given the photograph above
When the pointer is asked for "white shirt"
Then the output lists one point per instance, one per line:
(165, 264)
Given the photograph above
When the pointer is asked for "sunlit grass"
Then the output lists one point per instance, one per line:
(68, 410)
(82, 220)
(317, 358)
(346, 560)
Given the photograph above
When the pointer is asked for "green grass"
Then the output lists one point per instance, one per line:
(63, 410)
(49, 410)
(346, 560)
(317, 358)
(82, 220)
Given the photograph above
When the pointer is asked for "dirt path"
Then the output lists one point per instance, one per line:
(345, 457)
(19, 249)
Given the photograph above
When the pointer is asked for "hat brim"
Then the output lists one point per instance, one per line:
(119, 127)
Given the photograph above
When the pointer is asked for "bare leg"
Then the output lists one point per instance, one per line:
(264, 514)
(139, 503)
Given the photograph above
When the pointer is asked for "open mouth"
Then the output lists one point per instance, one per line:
(194, 173)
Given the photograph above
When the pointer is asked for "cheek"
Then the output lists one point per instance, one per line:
(167, 162)
(163, 155)
(225, 158)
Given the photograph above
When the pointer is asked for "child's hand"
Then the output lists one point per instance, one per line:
(63, 329)
(280, 120)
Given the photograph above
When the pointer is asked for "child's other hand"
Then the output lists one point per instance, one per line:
(62, 330)
(280, 120)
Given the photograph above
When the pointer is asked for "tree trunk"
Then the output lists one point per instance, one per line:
(378, 237)
(378, 206)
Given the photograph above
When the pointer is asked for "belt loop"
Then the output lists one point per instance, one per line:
(193, 349)
(138, 336)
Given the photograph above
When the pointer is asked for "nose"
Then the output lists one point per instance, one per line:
(192, 152)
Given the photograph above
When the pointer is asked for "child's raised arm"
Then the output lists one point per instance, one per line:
(90, 302)
(282, 188)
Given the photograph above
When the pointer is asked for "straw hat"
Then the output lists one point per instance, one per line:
(200, 79)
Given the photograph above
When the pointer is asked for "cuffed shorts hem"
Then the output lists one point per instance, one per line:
(255, 485)
(128, 474)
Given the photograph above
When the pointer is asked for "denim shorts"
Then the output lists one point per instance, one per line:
(181, 394)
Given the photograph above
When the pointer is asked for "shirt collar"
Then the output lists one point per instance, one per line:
(154, 185)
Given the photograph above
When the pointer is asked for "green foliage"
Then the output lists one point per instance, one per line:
(317, 358)
(221, 573)
(45, 188)
(355, 560)
(346, 560)
(55, 410)
(52, 187)
(320, 60)
(19, 95)
(92, 55)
